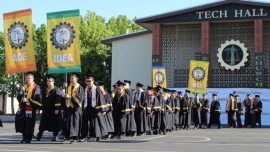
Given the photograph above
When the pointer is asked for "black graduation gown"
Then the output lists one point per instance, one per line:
(204, 111)
(152, 104)
(51, 102)
(172, 112)
(196, 111)
(188, 117)
(163, 118)
(121, 109)
(258, 112)
(231, 117)
(156, 118)
(140, 112)
(1, 125)
(168, 114)
(250, 113)
(131, 124)
(215, 113)
(97, 126)
(183, 110)
(176, 111)
(73, 115)
(239, 113)
(27, 122)
(108, 116)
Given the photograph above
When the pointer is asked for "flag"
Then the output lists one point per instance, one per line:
(19, 50)
(198, 76)
(159, 76)
(63, 44)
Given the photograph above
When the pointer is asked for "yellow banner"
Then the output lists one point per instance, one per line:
(63, 43)
(19, 50)
(159, 76)
(198, 76)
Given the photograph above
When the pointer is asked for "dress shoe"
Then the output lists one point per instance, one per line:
(28, 141)
(120, 136)
(66, 141)
(83, 140)
(98, 139)
(218, 127)
(55, 138)
(23, 140)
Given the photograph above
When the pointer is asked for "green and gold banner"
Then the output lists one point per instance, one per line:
(198, 76)
(63, 42)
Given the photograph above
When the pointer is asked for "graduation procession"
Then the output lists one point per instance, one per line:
(78, 112)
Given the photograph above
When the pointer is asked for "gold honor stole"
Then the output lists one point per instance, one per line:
(227, 106)
(29, 90)
(72, 93)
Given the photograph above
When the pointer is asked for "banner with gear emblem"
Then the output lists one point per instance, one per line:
(63, 44)
(198, 76)
(19, 50)
(159, 76)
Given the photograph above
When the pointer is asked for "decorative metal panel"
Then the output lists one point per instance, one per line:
(220, 77)
(266, 53)
(181, 43)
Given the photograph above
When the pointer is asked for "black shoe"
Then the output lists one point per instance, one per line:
(218, 127)
(28, 141)
(34, 136)
(109, 136)
(66, 141)
(120, 136)
(98, 139)
(55, 138)
(83, 140)
(187, 128)
(195, 128)
(23, 140)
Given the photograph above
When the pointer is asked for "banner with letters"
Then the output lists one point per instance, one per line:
(19, 50)
(198, 76)
(63, 44)
(223, 96)
(159, 76)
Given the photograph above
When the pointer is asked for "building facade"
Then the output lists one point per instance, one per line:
(233, 35)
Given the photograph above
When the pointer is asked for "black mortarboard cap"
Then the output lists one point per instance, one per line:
(156, 88)
(187, 91)
(159, 86)
(101, 83)
(214, 95)
(173, 91)
(204, 93)
(51, 77)
(31, 73)
(127, 81)
(89, 76)
(236, 96)
(75, 75)
(231, 94)
(258, 96)
(248, 94)
(114, 85)
(179, 92)
(168, 90)
(139, 85)
(149, 88)
(165, 90)
(120, 83)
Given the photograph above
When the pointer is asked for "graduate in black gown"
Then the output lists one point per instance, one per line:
(215, 112)
(183, 109)
(231, 109)
(1, 125)
(121, 108)
(108, 115)
(72, 104)
(204, 111)
(140, 110)
(239, 112)
(188, 117)
(163, 106)
(258, 111)
(251, 109)
(168, 110)
(176, 109)
(247, 113)
(196, 111)
(171, 104)
(131, 124)
(157, 111)
(51, 118)
(152, 103)
(29, 99)
(94, 109)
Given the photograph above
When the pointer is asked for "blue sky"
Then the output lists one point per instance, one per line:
(105, 8)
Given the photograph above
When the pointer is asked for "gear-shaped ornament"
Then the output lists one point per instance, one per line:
(198, 74)
(159, 77)
(62, 36)
(17, 35)
(232, 55)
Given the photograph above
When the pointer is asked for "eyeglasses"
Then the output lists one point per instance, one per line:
(88, 81)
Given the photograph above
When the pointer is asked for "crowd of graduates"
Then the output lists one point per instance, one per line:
(92, 113)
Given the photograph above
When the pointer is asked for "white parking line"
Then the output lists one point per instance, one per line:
(152, 138)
